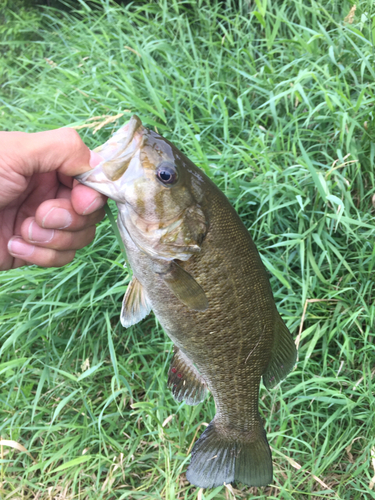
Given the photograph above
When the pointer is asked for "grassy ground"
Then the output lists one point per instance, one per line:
(276, 103)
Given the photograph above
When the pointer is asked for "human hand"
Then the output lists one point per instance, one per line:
(45, 215)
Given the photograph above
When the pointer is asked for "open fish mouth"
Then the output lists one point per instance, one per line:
(117, 154)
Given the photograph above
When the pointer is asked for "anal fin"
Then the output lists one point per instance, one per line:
(135, 305)
(284, 355)
(184, 380)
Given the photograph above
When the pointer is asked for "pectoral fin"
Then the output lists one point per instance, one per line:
(184, 287)
(135, 305)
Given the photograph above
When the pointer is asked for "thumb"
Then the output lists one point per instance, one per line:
(61, 149)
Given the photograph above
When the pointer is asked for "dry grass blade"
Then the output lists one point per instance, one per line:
(230, 490)
(372, 482)
(167, 420)
(307, 302)
(132, 50)
(359, 381)
(99, 122)
(194, 438)
(350, 17)
(297, 466)
(16, 446)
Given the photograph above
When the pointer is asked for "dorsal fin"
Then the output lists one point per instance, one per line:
(284, 354)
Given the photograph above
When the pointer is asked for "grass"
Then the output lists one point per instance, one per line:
(275, 101)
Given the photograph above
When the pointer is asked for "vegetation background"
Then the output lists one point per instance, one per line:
(274, 100)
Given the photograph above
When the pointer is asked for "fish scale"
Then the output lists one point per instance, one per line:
(196, 267)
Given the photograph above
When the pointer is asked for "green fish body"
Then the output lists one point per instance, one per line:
(196, 267)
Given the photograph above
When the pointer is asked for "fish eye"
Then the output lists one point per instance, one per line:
(167, 174)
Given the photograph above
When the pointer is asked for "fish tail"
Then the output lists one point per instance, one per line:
(217, 458)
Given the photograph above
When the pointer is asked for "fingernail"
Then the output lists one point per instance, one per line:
(16, 246)
(39, 235)
(97, 203)
(95, 159)
(58, 218)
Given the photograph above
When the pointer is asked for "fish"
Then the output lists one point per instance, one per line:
(197, 268)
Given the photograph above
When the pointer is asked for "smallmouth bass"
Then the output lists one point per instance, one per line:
(196, 266)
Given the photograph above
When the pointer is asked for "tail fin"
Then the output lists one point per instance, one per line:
(217, 459)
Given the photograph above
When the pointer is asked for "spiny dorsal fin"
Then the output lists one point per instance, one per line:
(184, 287)
(185, 381)
(135, 305)
(284, 355)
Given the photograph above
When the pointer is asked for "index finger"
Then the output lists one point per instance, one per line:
(85, 200)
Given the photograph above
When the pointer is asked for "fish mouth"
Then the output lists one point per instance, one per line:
(117, 154)
(116, 166)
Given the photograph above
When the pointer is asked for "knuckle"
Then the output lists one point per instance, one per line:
(90, 234)
(85, 238)
(69, 240)
(64, 241)
(66, 257)
(100, 214)
(61, 258)
(50, 258)
(97, 216)
(72, 138)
